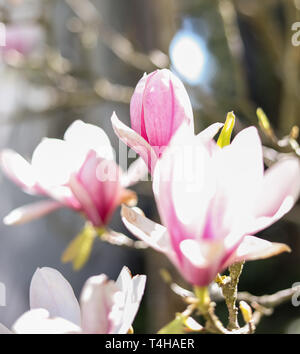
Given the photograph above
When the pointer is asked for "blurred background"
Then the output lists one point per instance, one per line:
(70, 59)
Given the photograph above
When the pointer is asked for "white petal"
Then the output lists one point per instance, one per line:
(54, 161)
(98, 307)
(244, 160)
(124, 279)
(155, 235)
(239, 171)
(64, 195)
(137, 171)
(51, 291)
(278, 194)
(183, 179)
(133, 290)
(252, 248)
(210, 132)
(200, 253)
(18, 169)
(38, 321)
(30, 212)
(85, 137)
(195, 252)
(200, 260)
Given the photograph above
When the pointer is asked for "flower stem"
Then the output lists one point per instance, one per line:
(203, 297)
(207, 309)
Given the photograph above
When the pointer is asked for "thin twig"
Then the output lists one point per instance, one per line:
(269, 301)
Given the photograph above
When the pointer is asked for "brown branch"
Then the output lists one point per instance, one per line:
(229, 289)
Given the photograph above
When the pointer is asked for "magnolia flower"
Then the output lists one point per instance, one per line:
(78, 172)
(106, 306)
(212, 200)
(159, 105)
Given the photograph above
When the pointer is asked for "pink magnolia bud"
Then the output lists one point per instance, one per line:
(159, 105)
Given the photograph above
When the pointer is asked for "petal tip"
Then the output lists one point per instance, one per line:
(127, 213)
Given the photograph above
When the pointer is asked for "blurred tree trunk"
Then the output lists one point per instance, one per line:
(290, 103)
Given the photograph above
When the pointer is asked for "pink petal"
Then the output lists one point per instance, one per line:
(51, 291)
(253, 248)
(85, 200)
(133, 290)
(182, 109)
(166, 105)
(30, 212)
(134, 141)
(101, 180)
(18, 170)
(97, 304)
(39, 321)
(137, 109)
(278, 194)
